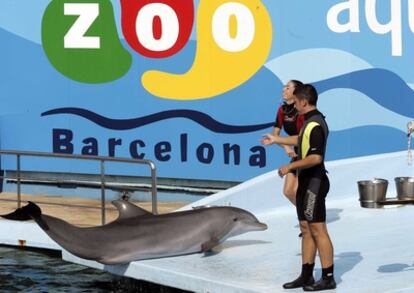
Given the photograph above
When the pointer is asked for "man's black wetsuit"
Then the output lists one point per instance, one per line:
(313, 182)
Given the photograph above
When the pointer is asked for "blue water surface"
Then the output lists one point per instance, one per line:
(25, 270)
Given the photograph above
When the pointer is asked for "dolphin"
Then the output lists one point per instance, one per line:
(137, 234)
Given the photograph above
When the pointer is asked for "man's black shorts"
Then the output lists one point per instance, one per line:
(310, 199)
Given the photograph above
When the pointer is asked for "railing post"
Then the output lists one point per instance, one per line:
(154, 188)
(103, 192)
(19, 196)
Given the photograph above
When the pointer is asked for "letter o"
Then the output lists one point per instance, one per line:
(203, 157)
(169, 27)
(245, 27)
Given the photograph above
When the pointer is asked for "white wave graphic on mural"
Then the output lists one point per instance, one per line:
(347, 108)
(301, 64)
(28, 24)
(411, 85)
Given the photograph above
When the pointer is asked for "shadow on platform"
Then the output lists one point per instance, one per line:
(344, 262)
(395, 268)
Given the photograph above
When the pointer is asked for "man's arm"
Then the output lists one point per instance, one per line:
(269, 139)
(308, 162)
(315, 153)
(288, 149)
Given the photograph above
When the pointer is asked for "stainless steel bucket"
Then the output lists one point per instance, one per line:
(405, 187)
(371, 192)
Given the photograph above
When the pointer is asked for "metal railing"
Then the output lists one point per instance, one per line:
(102, 161)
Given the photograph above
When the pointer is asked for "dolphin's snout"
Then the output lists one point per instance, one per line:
(259, 226)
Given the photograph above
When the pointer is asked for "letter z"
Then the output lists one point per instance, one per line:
(75, 38)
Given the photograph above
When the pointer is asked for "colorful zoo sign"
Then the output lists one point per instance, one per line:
(192, 85)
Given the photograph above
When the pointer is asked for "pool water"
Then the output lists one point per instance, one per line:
(29, 270)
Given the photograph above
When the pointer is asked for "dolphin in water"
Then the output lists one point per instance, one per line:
(137, 234)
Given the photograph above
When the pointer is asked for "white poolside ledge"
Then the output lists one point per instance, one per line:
(373, 247)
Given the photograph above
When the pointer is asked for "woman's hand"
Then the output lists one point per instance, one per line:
(290, 152)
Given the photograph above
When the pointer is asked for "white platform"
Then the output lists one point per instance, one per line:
(374, 249)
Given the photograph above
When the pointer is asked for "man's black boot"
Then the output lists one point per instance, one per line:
(322, 284)
(327, 282)
(299, 283)
(305, 278)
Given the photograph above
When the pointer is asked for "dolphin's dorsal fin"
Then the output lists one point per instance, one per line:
(128, 210)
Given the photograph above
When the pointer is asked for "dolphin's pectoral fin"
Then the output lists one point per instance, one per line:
(111, 261)
(208, 245)
(128, 210)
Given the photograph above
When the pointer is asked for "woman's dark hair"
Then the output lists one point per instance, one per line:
(296, 82)
(306, 92)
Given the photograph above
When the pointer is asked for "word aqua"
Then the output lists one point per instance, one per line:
(394, 26)
(80, 39)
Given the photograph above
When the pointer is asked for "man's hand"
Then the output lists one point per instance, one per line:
(283, 170)
(268, 139)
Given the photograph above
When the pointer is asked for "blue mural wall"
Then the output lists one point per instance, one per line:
(356, 53)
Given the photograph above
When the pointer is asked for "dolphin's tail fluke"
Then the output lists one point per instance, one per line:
(33, 210)
(28, 212)
(18, 215)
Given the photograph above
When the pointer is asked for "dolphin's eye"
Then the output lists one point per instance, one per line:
(235, 219)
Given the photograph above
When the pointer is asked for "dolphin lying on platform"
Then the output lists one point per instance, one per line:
(137, 234)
